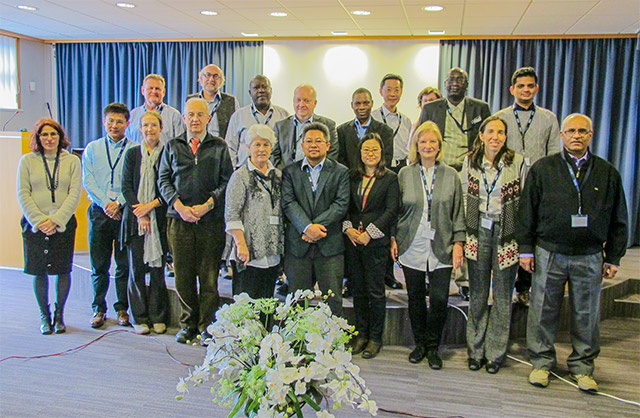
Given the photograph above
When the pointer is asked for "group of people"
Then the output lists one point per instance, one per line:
(511, 193)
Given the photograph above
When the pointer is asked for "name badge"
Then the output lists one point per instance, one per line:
(527, 161)
(486, 223)
(579, 221)
(430, 233)
(274, 220)
(112, 195)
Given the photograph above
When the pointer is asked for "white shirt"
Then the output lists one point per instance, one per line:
(401, 125)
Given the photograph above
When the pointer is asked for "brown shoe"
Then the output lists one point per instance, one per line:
(123, 319)
(372, 349)
(98, 320)
(359, 345)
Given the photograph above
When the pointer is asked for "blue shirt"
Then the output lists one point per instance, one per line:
(97, 174)
(314, 175)
(172, 123)
(362, 129)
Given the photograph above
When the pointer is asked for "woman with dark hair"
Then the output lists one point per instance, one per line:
(427, 95)
(48, 186)
(372, 212)
(429, 238)
(492, 180)
(143, 228)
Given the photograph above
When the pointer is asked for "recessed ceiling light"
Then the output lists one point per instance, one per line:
(208, 13)
(361, 12)
(279, 14)
(29, 8)
(249, 34)
(339, 32)
(126, 5)
(432, 8)
(436, 32)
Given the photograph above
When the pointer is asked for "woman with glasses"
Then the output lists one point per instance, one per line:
(429, 238)
(48, 186)
(492, 179)
(371, 215)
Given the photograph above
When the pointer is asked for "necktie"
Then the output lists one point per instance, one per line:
(194, 145)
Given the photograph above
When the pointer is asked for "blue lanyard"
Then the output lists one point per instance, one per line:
(428, 191)
(574, 179)
(493, 185)
(523, 133)
(264, 184)
(362, 193)
(215, 108)
(114, 165)
(385, 122)
(459, 124)
(266, 122)
(53, 179)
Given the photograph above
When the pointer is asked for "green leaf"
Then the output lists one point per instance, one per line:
(311, 402)
(239, 402)
(252, 406)
(296, 404)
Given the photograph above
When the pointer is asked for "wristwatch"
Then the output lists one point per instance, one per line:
(210, 204)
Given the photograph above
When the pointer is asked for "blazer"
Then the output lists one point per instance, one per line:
(348, 141)
(476, 111)
(284, 151)
(130, 186)
(327, 206)
(447, 213)
(380, 212)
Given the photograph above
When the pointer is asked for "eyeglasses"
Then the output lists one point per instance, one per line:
(459, 80)
(216, 77)
(314, 142)
(49, 134)
(572, 132)
(367, 151)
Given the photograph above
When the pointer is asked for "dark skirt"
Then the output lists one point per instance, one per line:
(48, 254)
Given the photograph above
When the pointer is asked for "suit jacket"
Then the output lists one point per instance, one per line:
(348, 142)
(327, 206)
(284, 152)
(380, 212)
(476, 111)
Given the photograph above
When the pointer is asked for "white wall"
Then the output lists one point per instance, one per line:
(35, 65)
(337, 68)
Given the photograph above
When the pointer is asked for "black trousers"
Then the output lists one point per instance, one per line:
(148, 304)
(254, 281)
(367, 269)
(523, 281)
(104, 240)
(427, 325)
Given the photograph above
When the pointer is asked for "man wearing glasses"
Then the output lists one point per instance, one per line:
(571, 227)
(221, 105)
(315, 199)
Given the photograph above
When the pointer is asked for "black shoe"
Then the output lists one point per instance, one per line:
(418, 354)
(392, 283)
(226, 272)
(45, 322)
(58, 321)
(474, 364)
(205, 338)
(492, 367)
(283, 289)
(186, 335)
(435, 362)
(464, 292)
(359, 345)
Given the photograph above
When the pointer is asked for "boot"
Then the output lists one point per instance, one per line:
(45, 321)
(58, 321)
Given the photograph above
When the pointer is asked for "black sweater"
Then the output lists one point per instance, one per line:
(550, 198)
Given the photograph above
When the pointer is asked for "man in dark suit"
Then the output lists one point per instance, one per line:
(458, 117)
(315, 199)
(350, 133)
(288, 148)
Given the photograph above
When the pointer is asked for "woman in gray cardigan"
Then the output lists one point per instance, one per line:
(254, 219)
(429, 238)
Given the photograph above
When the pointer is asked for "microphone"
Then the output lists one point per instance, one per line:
(10, 119)
(49, 109)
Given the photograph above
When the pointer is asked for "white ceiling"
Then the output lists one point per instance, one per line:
(181, 19)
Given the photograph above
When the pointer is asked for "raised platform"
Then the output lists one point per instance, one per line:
(397, 327)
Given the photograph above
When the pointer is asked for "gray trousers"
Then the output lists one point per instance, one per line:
(552, 272)
(488, 329)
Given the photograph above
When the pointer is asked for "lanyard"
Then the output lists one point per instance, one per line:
(385, 122)
(428, 191)
(308, 170)
(493, 185)
(574, 179)
(215, 109)
(114, 165)
(264, 184)
(365, 127)
(53, 182)
(362, 193)
(459, 124)
(266, 122)
(523, 133)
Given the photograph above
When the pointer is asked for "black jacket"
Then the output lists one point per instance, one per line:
(348, 152)
(549, 199)
(195, 178)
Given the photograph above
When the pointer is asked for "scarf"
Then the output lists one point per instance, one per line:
(146, 193)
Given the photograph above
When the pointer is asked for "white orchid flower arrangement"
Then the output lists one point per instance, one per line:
(302, 360)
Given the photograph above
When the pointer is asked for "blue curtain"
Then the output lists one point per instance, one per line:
(597, 77)
(92, 75)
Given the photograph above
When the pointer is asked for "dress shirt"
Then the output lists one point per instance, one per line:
(579, 161)
(213, 127)
(314, 175)
(455, 142)
(172, 123)
(362, 129)
(495, 202)
(298, 126)
(96, 172)
(401, 125)
(241, 121)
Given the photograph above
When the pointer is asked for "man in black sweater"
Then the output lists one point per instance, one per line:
(571, 227)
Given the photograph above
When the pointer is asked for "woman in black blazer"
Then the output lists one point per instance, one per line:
(372, 212)
(143, 228)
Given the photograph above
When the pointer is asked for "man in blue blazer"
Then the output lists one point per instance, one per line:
(288, 148)
(315, 199)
